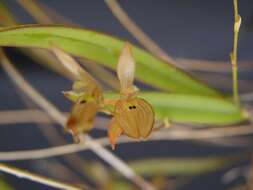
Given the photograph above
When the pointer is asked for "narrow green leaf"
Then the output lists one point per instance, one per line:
(180, 166)
(192, 108)
(5, 185)
(105, 50)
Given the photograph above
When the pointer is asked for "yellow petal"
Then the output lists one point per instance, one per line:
(126, 68)
(68, 62)
(135, 116)
(84, 80)
(114, 132)
(82, 116)
(72, 95)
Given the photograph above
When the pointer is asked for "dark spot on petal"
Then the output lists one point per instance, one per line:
(83, 102)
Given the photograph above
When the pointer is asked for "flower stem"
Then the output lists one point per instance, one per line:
(36, 178)
(233, 55)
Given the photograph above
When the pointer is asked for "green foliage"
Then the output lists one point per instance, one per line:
(105, 50)
(179, 166)
(188, 103)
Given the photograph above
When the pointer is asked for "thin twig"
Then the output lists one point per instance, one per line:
(24, 116)
(222, 82)
(213, 66)
(36, 178)
(234, 173)
(30, 6)
(55, 114)
(233, 55)
(247, 96)
(39, 117)
(46, 152)
(137, 32)
(172, 134)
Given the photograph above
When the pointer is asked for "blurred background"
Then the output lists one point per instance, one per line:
(196, 29)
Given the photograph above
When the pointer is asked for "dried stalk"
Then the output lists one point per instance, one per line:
(46, 152)
(137, 32)
(23, 116)
(37, 116)
(223, 82)
(36, 178)
(172, 134)
(212, 65)
(34, 10)
(247, 96)
(55, 114)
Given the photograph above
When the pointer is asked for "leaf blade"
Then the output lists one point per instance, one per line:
(192, 108)
(105, 50)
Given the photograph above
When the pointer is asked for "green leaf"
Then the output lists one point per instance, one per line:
(4, 185)
(104, 49)
(180, 166)
(192, 108)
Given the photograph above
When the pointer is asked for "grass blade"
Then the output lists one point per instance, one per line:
(192, 108)
(105, 50)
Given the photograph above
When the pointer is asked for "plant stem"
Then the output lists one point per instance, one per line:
(137, 32)
(233, 55)
(37, 116)
(36, 178)
(175, 134)
(34, 10)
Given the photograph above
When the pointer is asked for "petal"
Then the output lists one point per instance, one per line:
(68, 62)
(114, 132)
(72, 95)
(84, 80)
(126, 68)
(135, 116)
(82, 116)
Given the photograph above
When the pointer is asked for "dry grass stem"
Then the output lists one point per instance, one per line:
(24, 116)
(171, 134)
(247, 96)
(137, 32)
(37, 116)
(31, 7)
(36, 178)
(212, 66)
